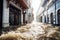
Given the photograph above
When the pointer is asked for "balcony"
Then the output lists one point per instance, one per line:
(24, 3)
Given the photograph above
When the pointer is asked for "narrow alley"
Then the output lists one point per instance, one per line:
(29, 19)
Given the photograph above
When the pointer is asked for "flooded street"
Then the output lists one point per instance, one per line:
(29, 19)
(33, 31)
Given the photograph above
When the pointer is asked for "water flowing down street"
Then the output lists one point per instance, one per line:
(33, 31)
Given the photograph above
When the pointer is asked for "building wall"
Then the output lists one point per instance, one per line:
(57, 8)
(5, 14)
(52, 8)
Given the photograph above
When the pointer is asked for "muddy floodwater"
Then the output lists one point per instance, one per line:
(33, 31)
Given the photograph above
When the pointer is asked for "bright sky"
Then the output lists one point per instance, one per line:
(35, 5)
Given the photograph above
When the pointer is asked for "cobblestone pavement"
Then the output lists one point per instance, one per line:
(33, 31)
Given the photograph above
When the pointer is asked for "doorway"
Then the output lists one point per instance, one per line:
(41, 19)
(58, 14)
(45, 19)
(14, 15)
(51, 18)
(24, 18)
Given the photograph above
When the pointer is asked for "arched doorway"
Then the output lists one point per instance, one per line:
(51, 18)
(58, 15)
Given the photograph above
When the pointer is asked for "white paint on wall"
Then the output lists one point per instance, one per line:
(5, 14)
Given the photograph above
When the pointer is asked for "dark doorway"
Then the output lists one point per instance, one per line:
(19, 17)
(14, 15)
(58, 14)
(11, 15)
(24, 18)
(41, 19)
(51, 18)
(45, 18)
(1, 13)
